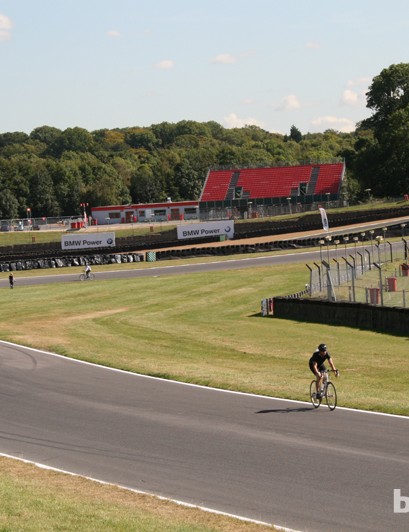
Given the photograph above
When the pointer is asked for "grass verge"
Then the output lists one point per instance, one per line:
(38, 500)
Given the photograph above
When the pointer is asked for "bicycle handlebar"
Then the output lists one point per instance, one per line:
(336, 371)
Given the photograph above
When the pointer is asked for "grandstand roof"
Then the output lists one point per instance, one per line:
(274, 182)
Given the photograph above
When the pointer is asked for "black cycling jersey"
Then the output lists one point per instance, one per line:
(319, 360)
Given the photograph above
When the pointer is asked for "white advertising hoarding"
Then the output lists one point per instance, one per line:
(88, 240)
(203, 230)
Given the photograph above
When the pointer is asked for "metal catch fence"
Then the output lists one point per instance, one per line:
(378, 276)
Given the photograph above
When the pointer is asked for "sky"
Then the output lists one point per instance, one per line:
(106, 64)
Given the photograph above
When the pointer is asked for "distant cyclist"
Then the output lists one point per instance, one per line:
(317, 365)
(87, 271)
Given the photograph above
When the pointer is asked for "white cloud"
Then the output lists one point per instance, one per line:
(113, 33)
(332, 122)
(350, 97)
(289, 103)
(232, 120)
(166, 64)
(5, 27)
(359, 82)
(313, 45)
(224, 59)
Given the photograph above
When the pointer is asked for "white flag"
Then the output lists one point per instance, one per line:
(324, 219)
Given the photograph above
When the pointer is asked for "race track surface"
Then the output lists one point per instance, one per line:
(271, 460)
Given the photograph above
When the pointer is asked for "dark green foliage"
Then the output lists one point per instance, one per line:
(382, 161)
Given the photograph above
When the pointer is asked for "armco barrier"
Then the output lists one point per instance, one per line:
(390, 320)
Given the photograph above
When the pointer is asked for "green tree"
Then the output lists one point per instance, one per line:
(384, 162)
(9, 207)
(295, 134)
(146, 187)
(388, 93)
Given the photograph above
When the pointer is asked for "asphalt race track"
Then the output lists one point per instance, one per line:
(271, 460)
(177, 268)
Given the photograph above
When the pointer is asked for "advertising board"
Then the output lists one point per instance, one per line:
(206, 229)
(88, 240)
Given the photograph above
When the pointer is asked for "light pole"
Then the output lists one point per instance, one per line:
(84, 207)
(402, 226)
(29, 217)
(289, 205)
(368, 191)
(328, 195)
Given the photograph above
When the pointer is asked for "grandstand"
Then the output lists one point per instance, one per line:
(268, 186)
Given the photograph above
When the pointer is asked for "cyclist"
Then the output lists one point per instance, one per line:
(87, 271)
(317, 365)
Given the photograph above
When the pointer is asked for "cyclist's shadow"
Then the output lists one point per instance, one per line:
(287, 410)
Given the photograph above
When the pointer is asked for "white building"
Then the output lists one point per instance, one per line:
(147, 212)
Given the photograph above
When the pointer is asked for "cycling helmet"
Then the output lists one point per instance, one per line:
(322, 347)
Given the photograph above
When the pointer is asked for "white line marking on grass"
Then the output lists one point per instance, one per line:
(140, 492)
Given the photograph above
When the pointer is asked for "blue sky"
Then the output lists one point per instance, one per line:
(121, 63)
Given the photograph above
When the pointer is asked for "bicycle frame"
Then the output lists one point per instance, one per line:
(328, 391)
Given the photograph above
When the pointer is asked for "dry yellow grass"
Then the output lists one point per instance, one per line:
(35, 499)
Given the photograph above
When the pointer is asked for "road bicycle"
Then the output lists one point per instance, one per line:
(327, 390)
(85, 277)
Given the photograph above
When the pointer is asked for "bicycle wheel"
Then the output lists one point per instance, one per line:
(82, 277)
(313, 390)
(331, 396)
(91, 277)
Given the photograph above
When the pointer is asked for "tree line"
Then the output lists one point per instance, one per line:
(52, 171)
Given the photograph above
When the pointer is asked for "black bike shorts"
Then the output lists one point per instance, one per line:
(320, 368)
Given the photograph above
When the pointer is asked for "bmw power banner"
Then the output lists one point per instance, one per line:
(88, 240)
(203, 230)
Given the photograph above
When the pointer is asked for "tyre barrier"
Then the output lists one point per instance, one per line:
(34, 264)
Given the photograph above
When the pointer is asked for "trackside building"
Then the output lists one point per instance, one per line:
(148, 212)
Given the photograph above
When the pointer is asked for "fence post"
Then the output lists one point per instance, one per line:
(380, 280)
(362, 262)
(310, 287)
(369, 256)
(319, 275)
(338, 272)
(390, 249)
(353, 278)
(405, 249)
(354, 267)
